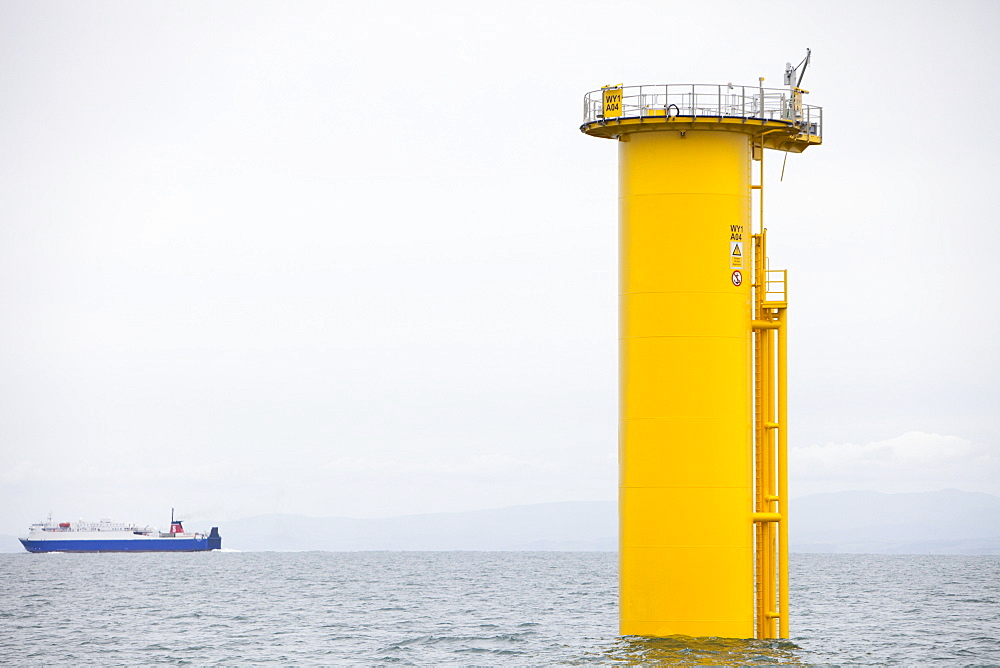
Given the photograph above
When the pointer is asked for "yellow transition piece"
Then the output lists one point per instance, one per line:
(686, 413)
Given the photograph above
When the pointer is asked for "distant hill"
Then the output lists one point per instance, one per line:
(575, 525)
(945, 522)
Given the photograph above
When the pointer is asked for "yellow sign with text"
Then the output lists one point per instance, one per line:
(736, 254)
(612, 98)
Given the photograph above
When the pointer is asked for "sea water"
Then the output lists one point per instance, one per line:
(466, 608)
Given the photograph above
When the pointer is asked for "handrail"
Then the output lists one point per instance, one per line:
(779, 293)
(694, 101)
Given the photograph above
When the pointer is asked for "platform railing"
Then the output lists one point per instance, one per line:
(775, 286)
(693, 101)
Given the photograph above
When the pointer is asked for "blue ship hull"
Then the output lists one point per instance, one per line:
(148, 545)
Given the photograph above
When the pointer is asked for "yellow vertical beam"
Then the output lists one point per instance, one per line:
(770, 490)
(764, 554)
(767, 463)
(760, 587)
(765, 558)
(783, 468)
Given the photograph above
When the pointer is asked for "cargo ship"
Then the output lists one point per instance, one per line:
(109, 536)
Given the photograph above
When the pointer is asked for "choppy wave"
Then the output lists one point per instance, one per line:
(466, 608)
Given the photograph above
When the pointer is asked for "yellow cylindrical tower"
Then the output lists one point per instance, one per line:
(685, 406)
(687, 477)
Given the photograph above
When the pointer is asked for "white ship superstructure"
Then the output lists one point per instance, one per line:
(109, 536)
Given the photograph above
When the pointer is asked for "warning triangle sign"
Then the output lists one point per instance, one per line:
(736, 249)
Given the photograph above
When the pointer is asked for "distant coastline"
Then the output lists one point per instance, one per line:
(944, 522)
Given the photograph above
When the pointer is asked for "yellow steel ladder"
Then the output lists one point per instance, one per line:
(770, 449)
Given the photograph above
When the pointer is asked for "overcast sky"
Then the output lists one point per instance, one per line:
(356, 259)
